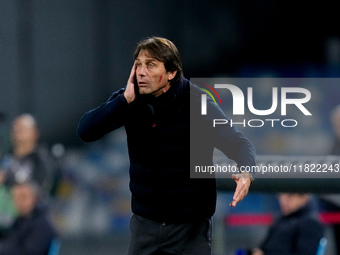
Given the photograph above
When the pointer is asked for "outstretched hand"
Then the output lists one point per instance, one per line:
(243, 181)
(130, 94)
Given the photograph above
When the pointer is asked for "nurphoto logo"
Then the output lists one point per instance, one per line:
(298, 97)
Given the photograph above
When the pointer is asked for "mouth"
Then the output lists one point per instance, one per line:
(142, 84)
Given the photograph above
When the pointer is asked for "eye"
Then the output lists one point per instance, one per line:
(151, 65)
(138, 64)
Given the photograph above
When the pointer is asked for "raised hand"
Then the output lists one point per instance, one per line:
(130, 94)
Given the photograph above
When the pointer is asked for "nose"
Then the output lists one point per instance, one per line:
(141, 70)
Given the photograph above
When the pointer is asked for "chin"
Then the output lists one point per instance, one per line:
(144, 91)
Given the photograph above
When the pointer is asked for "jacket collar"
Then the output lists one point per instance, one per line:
(175, 91)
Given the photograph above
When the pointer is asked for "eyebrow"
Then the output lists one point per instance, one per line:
(148, 59)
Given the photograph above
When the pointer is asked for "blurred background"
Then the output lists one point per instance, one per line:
(61, 58)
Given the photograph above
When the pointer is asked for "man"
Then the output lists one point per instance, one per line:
(28, 160)
(4, 139)
(331, 202)
(335, 120)
(297, 231)
(32, 232)
(172, 213)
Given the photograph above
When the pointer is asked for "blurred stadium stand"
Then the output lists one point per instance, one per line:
(61, 58)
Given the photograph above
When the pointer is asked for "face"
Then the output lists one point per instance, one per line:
(23, 131)
(152, 77)
(290, 203)
(336, 124)
(24, 199)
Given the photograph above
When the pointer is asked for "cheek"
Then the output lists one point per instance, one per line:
(160, 79)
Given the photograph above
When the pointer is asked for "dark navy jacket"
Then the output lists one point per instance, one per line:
(29, 235)
(158, 136)
(298, 233)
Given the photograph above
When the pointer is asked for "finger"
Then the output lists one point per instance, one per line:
(133, 73)
(234, 202)
(240, 196)
(240, 192)
(237, 196)
(234, 177)
(134, 66)
(237, 178)
(129, 93)
(235, 199)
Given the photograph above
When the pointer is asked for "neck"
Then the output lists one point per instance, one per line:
(23, 149)
(162, 90)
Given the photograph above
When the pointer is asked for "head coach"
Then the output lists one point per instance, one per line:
(171, 211)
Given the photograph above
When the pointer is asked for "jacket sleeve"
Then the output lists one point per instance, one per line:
(230, 140)
(103, 119)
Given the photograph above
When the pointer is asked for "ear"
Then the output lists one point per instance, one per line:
(171, 75)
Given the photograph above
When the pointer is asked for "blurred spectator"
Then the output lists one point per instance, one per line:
(297, 231)
(28, 160)
(335, 119)
(32, 232)
(4, 139)
(331, 202)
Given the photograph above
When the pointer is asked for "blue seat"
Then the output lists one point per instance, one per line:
(54, 247)
(322, 246)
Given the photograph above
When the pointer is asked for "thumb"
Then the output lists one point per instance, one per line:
(236, 177)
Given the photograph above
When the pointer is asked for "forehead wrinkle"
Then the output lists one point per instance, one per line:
(148, 55)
